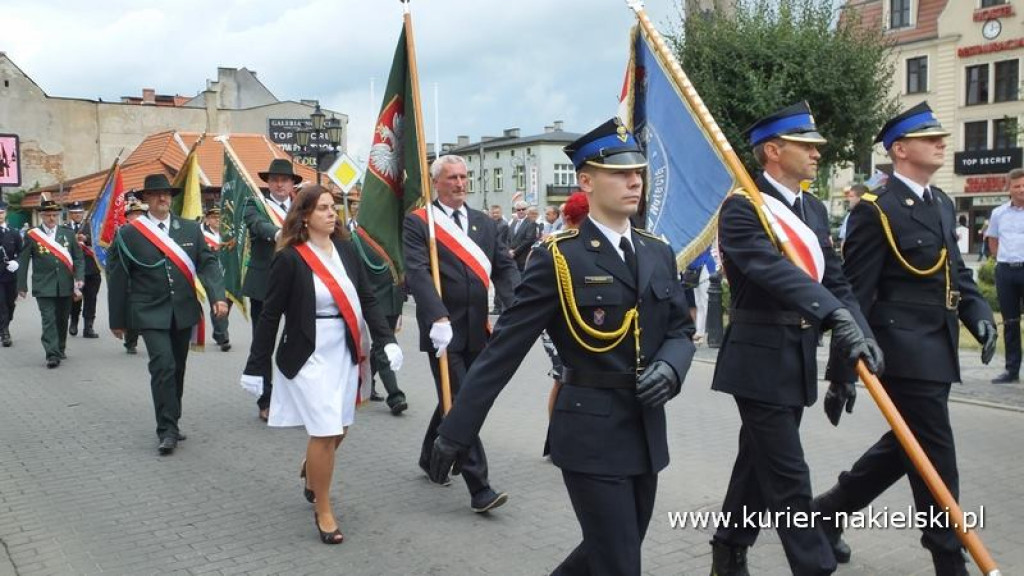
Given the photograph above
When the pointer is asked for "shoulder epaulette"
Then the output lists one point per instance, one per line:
(651, 235)
(561, 235)
(869, 196)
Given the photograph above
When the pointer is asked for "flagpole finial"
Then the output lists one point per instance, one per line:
(635, 5)
(405, 6)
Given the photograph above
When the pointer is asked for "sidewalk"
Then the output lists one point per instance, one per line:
(976, 387)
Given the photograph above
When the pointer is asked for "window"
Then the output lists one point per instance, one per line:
(1007, 81)
(988, 3)
(497, 155)
(977, 84)
(519, 175)
(497, 180)
(976, 135)
(469, 181)
(899, 14)
(565, 175)
(917, 75)
(1004, 133)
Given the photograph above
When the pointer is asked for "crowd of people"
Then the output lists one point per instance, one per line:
(607, 299)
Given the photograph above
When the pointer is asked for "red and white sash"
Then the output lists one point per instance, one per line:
(277, 215)
(166, 245)
(459, 243)
(346, 298)
(787, 226)
(212, 239)
(51, 244)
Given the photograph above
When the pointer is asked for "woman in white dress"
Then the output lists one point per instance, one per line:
(319, 284)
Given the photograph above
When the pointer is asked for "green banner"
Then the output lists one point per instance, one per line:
(235, 192)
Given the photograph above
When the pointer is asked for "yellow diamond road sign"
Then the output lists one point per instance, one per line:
(344, 172)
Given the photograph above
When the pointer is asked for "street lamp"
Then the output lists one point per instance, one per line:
(321, 140)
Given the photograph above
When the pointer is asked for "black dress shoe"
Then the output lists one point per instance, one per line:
(131, 350)
(167, 445)
(89, 333)
(73, 329)
(374, 397)
(426, 470)
(225, 346)
(52, 362)
(1006, 378)
(399, 407)
(487, 500)
(181, 436)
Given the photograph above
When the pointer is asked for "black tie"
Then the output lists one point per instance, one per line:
(457, 216)
(162, 227)
(928, 199)
(283, 207)
(628, 255)
(798, 206)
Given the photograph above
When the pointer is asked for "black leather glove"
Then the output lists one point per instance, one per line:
(847, 338)
(874, 359)
(986, 334)
(840, 395)
(657, 383)
(447, 456)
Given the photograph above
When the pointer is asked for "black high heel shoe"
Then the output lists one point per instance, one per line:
(309, 494)
(335, 537)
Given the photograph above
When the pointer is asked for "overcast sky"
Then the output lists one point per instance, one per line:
(496, 65)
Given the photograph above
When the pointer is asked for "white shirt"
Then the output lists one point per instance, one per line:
(614, 237)
(287, 202)
(1007, 224)
(158, 222)
(450, 212)
(916, 188)
(787, 194)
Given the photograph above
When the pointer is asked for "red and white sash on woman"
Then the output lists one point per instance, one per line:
(788, 226)
(51, 244)
(170, 249)
(274, 211)
(459, 243)
(346, 298)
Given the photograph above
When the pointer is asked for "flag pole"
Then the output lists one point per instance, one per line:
(925, 468)
(421, 156)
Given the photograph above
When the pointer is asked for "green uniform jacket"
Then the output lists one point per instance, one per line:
(389, 293)
(262, 244)
(50, 277)
(141, 280)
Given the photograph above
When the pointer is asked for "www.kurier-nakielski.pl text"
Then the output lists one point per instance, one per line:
(870, 518)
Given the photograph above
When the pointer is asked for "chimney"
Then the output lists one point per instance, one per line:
(430, 148)
(148, 96)
(558, 125)
(462, 141)
(512, 133)
(549, 129)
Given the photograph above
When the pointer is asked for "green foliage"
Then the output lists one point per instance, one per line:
(772, 53)
(987, 283)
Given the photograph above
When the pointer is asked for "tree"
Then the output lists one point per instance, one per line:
(767, 54)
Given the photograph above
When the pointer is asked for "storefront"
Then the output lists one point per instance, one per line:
(983, 173)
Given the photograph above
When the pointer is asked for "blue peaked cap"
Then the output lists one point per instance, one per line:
(917, 122)
(793, 122)
(610, 145)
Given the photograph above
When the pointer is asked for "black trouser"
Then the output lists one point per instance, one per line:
(54, 313)
(614, 513)
(1010, 290)
(771, 474)
(8, 296)
(380, 365)
(168, 352)
(220, 325)
(86, 307)
(924, 405)
(256, 309)
(474, 469)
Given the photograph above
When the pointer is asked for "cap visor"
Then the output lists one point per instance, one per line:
(926, 132)
(622, 161)
(806, 137)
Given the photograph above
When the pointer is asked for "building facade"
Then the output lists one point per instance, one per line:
(65, 138)
(964, 58)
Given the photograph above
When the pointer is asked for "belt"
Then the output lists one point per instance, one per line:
(604, 380)
(951, 302)
(327, 317)
(777, 317)
(1011, 264)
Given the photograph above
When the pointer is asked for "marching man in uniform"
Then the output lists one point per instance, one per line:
(608, 296)
(902, 260)
(10, 249)
(57, 276)
(85, 307)
(211, 233)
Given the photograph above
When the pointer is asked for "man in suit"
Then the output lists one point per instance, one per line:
(501, 226)
(263, 218)
(133, 209)
(470, 256)
(10, 249)
(913, 286)
(626, 346)
(86, 306)
(522, 234)
(57, 277)
(151, 272)
(390, 294)
(211, 233)
(767, 361)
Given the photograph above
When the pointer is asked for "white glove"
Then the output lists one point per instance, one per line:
(395, 356)
(252, 384)
(12, 266)
(441, 336)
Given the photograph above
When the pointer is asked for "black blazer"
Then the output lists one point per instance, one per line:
(522, 240)
(772, 362)
(11, 242)
(290, 292)
(464, 299)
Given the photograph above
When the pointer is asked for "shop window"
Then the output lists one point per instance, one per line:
(1004, 133)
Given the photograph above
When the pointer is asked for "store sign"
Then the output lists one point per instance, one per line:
(968, 51)
(1004, 11)
(982, 184)
(987, 161)
(10, 160)
(281, 131)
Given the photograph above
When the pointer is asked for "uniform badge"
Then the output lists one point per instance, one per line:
(909, 202)
(175, 225)
(621, 133)
(595, 243)
(473, 228)
(599, 317)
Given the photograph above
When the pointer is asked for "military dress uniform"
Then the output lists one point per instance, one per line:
(163, 307)
(767, 361)
(53, 284)
(613, 317)
(220, 324)
(86, 306)
(10, 249)
(902, 260)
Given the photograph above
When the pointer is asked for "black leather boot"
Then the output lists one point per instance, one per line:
(949, 563)
(88, 332)
(728, 560)
(73, 327)
(828, 504)
(5, 337)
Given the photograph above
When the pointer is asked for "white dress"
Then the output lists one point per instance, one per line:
(322, 396)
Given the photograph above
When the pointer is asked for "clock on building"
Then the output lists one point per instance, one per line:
(991, 29)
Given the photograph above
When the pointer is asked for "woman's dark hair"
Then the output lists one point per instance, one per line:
(294, 230)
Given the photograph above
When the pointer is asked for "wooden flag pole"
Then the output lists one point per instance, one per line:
(421, 157)
(925, 468)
